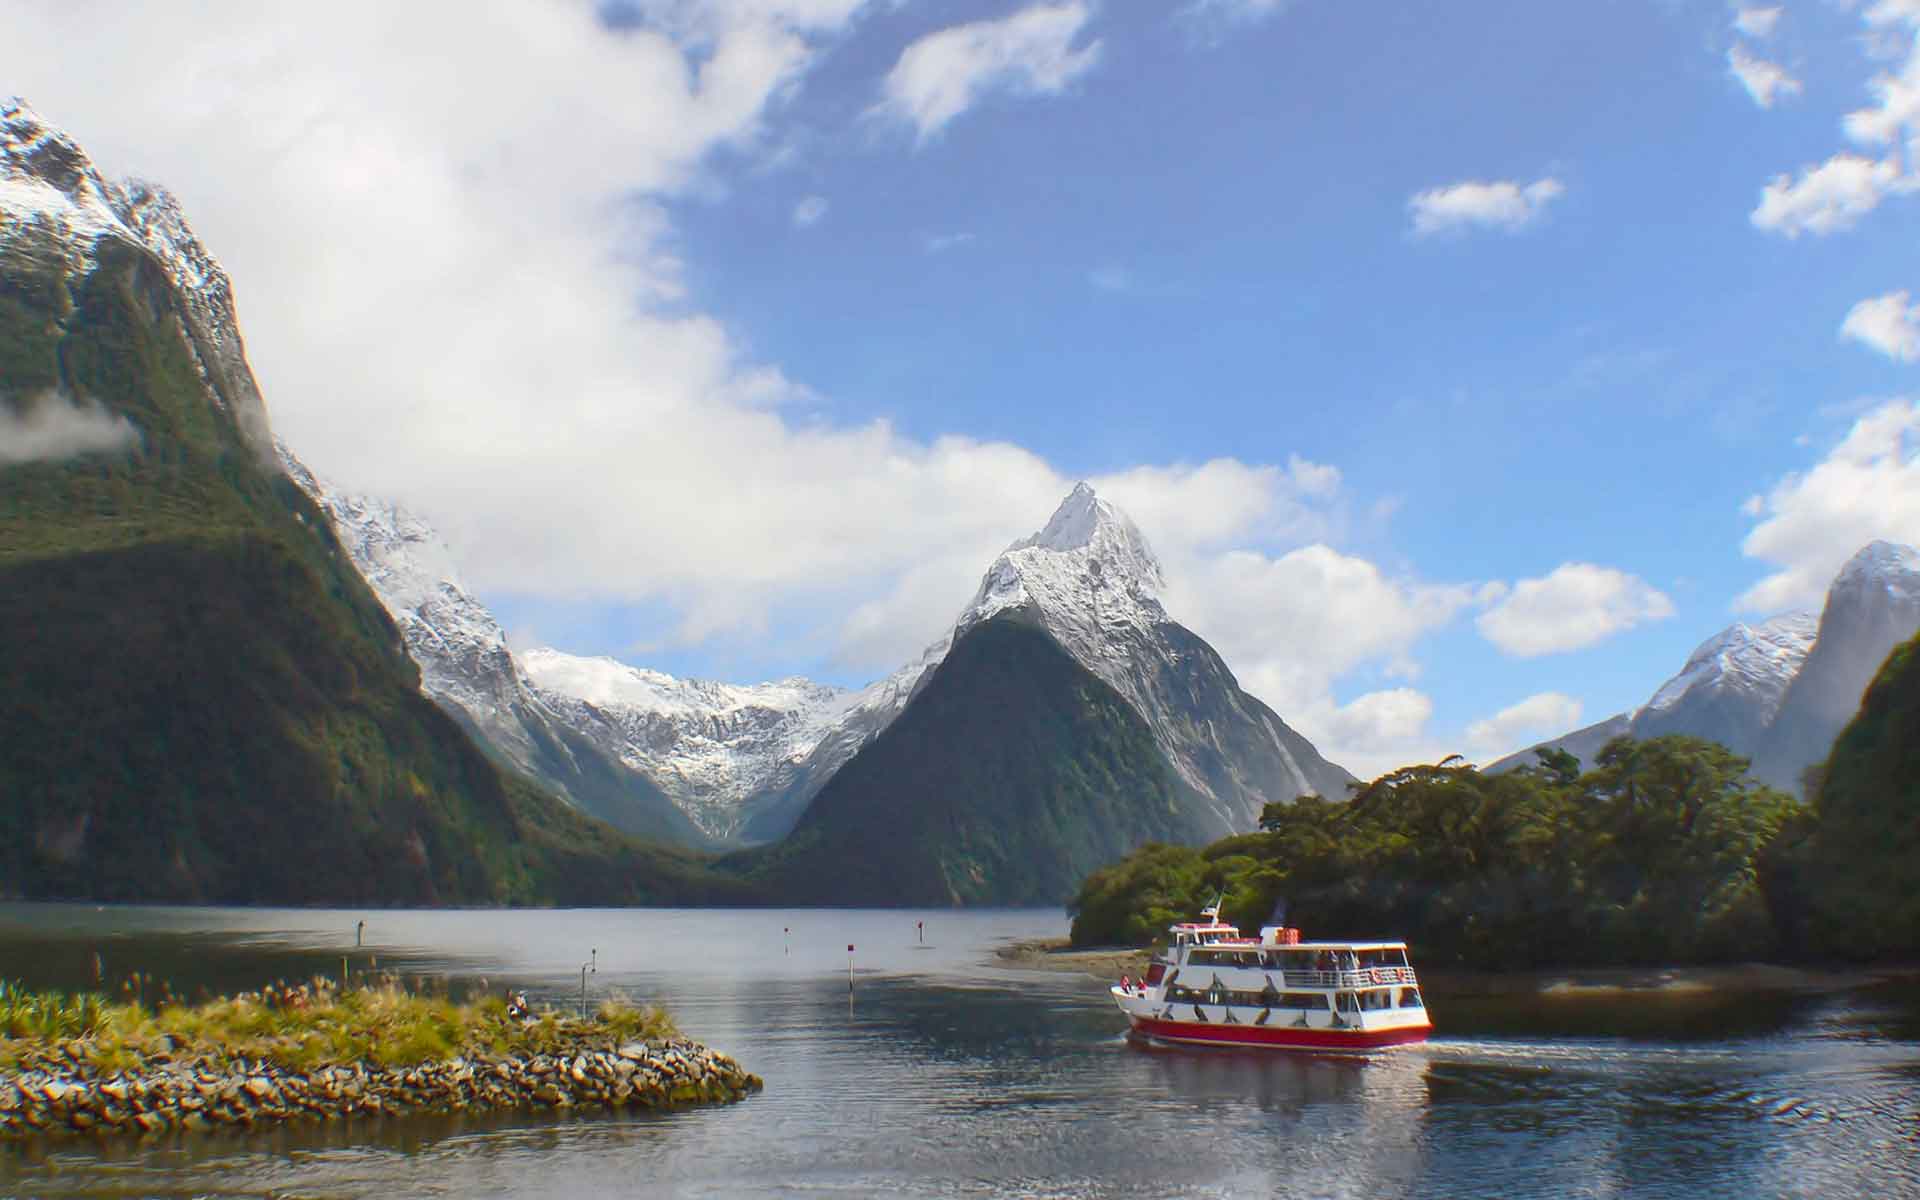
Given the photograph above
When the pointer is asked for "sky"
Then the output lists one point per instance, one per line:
(1466, 364)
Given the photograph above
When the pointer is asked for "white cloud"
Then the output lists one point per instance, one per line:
(1763, 80)
(945, 73)
(50, 427)
(1575, 606)
(1209, 22)
(1501, 204)
(1867, 487)
(1838, 193)
(1542, 715)
(1234, 10)
(1373, 733)
(1887, 324)
(809, 211)
(1896, 116)
(1293, 624)
(1828, 198)
(1111, 278)
(1757, 22)
(940, 243)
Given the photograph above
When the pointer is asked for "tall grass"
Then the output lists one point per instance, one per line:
(305, 1027)
(49, 1015)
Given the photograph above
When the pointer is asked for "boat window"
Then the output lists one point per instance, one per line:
(1308, 1000)
(1410, 998)
(1346, 1002)
(1374, 999)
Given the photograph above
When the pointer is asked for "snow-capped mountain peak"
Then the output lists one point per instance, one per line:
(1085, 522)
(1088, 573)
(54, 200)
(1760, 660)
(1882, 564)
(47, 179)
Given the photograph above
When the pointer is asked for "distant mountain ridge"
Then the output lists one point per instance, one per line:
(466, 665)
(1778, 692)
(743, 762)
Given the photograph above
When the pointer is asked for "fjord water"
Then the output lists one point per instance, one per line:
(948, 1072)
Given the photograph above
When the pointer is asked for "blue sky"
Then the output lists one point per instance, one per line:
(734, 338)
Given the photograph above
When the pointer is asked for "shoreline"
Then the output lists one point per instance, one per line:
(1108, 963)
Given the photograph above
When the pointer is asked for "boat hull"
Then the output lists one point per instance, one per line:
(1276, 1037)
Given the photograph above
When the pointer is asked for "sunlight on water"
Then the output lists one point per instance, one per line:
(946, 1073)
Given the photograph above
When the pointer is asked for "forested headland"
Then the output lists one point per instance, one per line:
(1659, 851)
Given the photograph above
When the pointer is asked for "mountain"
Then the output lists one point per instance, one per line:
(466, 666)
(1013, 773)
(1090, 580)
(1728, 692)
(691, 761)
(1066, 721)
(1872, 606)
(1778, 692)
(203, 701)
(744, 761)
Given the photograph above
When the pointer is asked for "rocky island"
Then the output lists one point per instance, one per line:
(71, 1066)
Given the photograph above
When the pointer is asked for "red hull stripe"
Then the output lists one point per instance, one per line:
(1279, 1037)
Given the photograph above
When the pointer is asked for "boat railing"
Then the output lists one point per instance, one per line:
(1364, 977)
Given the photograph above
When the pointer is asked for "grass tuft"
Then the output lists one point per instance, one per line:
(303, 1027)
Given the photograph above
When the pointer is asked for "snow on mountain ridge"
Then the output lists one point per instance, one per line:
(459, 646)
(1887, 564)
(52, 194)
(1758, 659)
(1088, 575)
(602, 680)
(711, 748)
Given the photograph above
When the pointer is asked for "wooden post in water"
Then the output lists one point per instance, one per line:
(849, 968)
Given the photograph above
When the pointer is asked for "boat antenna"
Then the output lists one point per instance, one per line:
(1213, 910)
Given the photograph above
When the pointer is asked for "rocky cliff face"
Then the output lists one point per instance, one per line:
(1873, 606)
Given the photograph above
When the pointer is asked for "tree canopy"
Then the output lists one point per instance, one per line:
(1652, 855)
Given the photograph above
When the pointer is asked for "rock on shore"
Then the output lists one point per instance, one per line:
(61, 1094)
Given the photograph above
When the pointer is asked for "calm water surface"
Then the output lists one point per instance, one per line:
(948, 1074)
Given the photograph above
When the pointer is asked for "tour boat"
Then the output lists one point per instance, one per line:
(1213, 987)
